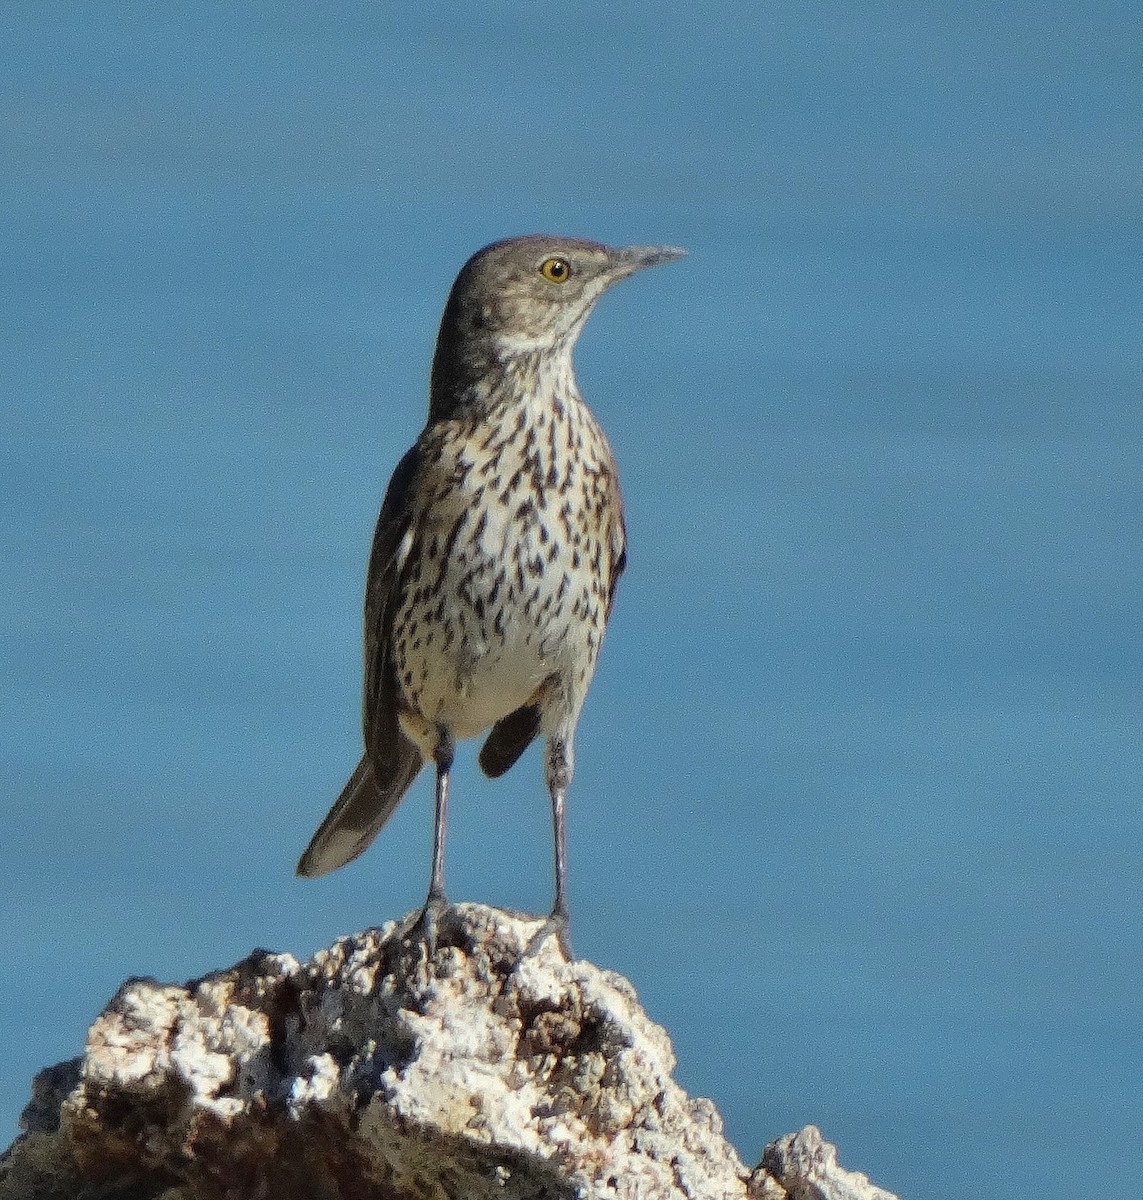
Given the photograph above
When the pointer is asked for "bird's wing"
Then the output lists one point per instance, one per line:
(379, 701)
(618, 559)
(391, 760)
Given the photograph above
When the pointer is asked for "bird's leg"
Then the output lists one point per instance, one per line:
(435, 901)
(443, 757)
(559, 840)
(557, 775)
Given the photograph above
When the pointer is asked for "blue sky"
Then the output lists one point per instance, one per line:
(858, 782)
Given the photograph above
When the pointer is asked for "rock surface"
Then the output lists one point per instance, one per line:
(372, 1073)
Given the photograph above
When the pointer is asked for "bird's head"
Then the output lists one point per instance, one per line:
(527, 296)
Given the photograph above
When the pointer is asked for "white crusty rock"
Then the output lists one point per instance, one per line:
(805, 1167)
(373, 1073)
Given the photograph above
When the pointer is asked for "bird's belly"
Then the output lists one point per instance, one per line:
(472, 688)
(503, 619)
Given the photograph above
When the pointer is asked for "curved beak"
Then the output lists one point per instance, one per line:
(634, 258)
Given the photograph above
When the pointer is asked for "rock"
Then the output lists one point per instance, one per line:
(371, 1073)
(805, 1166)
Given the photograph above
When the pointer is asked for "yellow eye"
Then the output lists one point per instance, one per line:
(556, 270)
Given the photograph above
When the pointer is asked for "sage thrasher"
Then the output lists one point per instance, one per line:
(496, 554)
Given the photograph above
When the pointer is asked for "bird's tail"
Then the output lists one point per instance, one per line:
(359, 813)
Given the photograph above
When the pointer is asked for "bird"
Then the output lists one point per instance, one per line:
(496, 555)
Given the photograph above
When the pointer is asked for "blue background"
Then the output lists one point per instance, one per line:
(858, 795)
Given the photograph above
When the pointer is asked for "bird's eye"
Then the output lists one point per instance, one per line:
(556, 270)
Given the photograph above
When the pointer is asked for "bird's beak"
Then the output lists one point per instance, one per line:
(634, 258)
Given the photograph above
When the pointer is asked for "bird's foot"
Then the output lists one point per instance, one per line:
(427, 925)
(557, 926)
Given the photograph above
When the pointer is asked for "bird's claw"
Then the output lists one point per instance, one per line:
(557, 925)
(427, 924)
